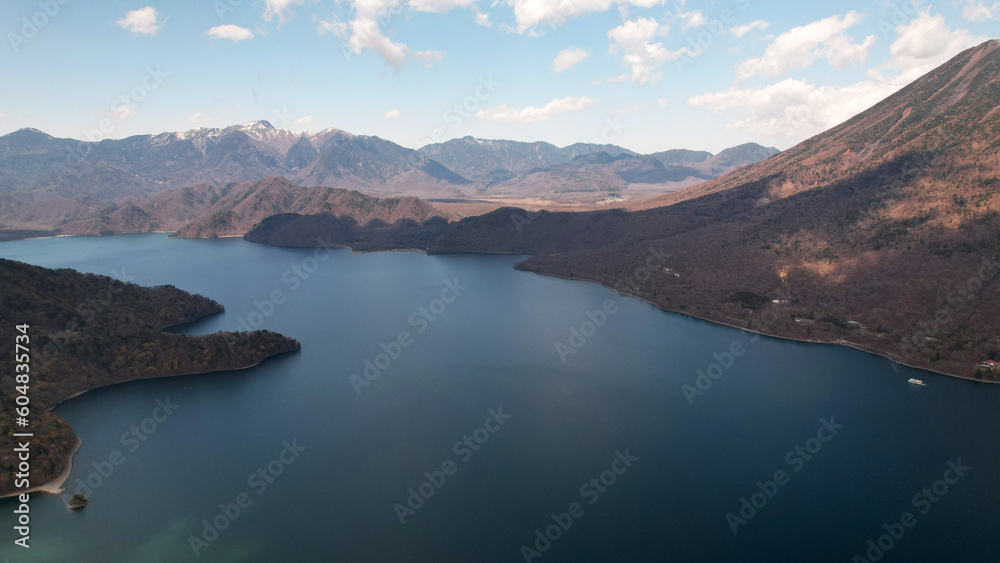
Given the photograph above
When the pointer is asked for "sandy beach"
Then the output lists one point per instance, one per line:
(54, 486)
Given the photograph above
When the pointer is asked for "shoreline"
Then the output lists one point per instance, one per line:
(858, 347)
(886, 355)
(43, 237)
(61, 235)
(262, 360)
(55, 485)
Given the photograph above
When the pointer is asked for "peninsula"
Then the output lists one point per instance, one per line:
(87, 331)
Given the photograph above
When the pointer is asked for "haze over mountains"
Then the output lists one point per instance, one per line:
(142, 165)
(49, 183)
(492, 161)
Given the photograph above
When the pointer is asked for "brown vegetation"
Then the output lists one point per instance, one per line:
(89, 331)
(881, 233)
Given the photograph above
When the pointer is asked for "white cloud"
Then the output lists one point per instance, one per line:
(334, 26)
(691, 19)
(634, 40)
(142, 21)
(392, 114)
(366, 33)
(793, 110)
(532, 114)
(198, 117)
(741, 30)
(568, 58)
(439, 6)
(280, 9)
(529, 14)
(925, 43)
(426, 55)
(305, 120)
(124, 111)
(662, 103)
(229, 31)
(483, 19)
(978, 11)
(802, 46)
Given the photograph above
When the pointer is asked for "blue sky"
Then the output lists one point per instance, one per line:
(649, 75)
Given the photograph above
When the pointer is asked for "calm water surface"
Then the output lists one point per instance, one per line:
(493, 349)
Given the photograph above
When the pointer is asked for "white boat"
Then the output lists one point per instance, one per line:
(917, 382)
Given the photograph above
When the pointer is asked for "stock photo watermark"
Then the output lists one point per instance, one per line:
(722, 362)
(133, 439)
(258, 482)
(465, 109)
(922, 502)
(31, 25)
(463, 449)
(292, 279)
(420, 319)
(796, 459)
(122, 107)
(591, 491)
(704, 39)
(578, 337)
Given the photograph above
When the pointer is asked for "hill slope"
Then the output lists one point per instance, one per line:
(882, 233)
(890, 220)
(244, 205)
(948, 118)
(206, 210)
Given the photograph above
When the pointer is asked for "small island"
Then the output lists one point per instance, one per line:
(78, 501)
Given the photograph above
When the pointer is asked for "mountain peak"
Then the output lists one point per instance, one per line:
(259, 124)
(950, 112)
(27, 136)
(31, 131)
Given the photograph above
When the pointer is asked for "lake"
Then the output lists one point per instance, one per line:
(452, 408)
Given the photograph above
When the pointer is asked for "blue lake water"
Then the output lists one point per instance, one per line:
(321, 467)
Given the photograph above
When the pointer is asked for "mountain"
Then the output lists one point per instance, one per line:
(242, 206)
(47, 182)
(296, 229)
(206, 210)
(76, 347)
(682, 157)
(882, 233)
(889, 222)
(139, 166)
(605, 178)
(530, 168)
(493, 160)
(945, 118)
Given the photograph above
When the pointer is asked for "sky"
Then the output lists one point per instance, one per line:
(649, 75)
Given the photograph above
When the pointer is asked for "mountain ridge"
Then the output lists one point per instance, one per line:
(882, 233)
